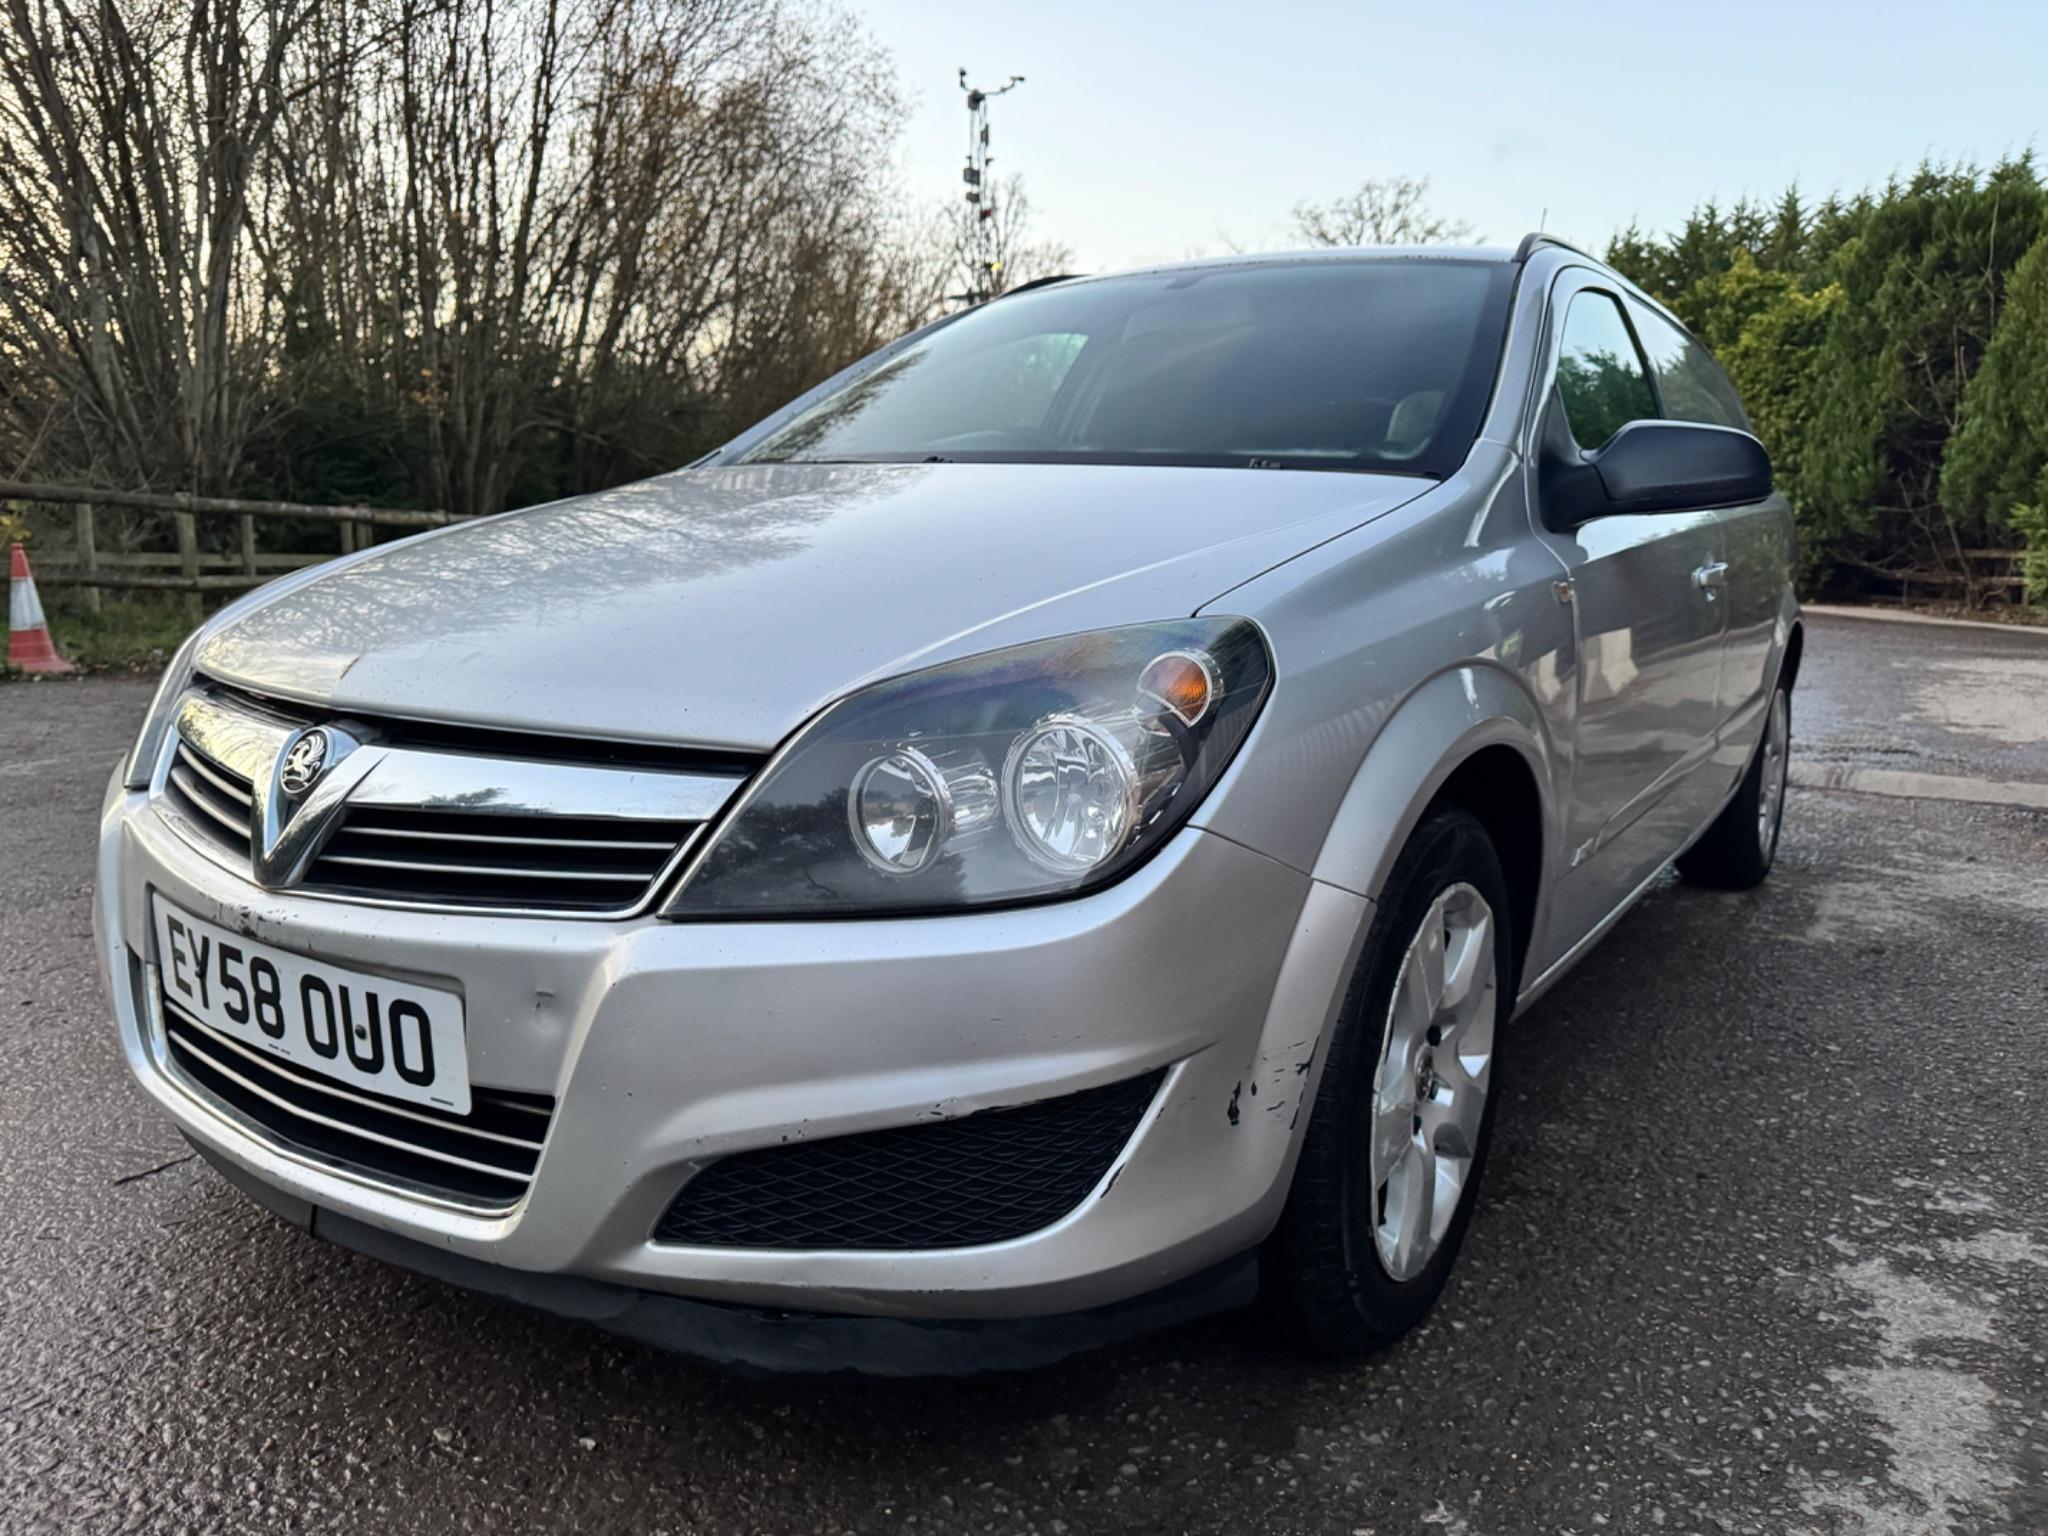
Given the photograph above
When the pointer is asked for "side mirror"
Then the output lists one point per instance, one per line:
(1651, 466)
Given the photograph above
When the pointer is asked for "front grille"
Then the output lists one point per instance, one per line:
(949, 1184)
(484, 1159)
(213, 796)
(455, 816)
(583, 864)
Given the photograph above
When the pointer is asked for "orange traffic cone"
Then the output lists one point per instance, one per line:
(29, 645)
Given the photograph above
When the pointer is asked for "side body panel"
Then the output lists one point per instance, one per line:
(1644, 780)
(1401, 649)
(1644, 776)
(1761, 611)
(1436, 632)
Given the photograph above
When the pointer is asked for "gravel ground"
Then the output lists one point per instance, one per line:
(1764, 1248)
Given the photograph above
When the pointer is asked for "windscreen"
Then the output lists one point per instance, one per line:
(1363, 365)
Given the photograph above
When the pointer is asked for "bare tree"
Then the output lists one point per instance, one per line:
(131, 142)
(1391, 211)
(466, 251)
(609, 227)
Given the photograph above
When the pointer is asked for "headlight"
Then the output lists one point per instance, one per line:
(1023, 775)
(149, 743)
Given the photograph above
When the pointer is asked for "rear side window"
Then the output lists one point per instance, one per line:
(1692, 383)
(1600, 374)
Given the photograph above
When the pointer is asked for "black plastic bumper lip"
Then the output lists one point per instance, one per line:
(783, 1343)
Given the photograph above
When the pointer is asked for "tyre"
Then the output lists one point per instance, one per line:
(1735, 853)
(1397, 1135)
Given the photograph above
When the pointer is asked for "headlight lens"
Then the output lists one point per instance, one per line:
(149, 742)
(904, 807)
(1071, 789)
(1026, 774)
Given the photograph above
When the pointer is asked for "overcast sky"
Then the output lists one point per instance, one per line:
(1147, 130)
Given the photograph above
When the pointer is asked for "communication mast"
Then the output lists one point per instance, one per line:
(984, 247)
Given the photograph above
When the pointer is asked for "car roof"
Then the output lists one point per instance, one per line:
(1533, 245)
(1314, 255)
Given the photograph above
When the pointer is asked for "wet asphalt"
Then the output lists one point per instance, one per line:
(1764, 1246)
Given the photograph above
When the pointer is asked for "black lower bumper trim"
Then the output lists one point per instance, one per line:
(785, 1343)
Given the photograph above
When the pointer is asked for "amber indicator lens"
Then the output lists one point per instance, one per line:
(1184, 681)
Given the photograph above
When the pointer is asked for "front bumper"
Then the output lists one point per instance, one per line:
(778, 1341)
(668, 1046)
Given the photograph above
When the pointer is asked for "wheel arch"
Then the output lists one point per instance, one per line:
(1497, 786)
(1795, 647)
(1473, 736)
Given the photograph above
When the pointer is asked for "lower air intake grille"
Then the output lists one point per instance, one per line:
(484, 1159)
(949, 1184)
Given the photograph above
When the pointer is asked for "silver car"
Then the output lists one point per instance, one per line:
(1042, 837)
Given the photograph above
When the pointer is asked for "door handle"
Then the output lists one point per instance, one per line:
(1711, 578)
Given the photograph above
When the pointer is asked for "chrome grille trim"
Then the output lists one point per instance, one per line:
(214, 1041)
(243, 742)
(204, 802)
(408, 779)
(510, 871)
(521, 842)
(215, 808)
(199, 766)
(488, 833)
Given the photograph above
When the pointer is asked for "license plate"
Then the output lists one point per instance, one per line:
(374, 1033)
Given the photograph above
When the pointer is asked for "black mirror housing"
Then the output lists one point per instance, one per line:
(1681, 466)
(1649, 466)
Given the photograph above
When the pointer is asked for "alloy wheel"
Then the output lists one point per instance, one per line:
(1770, 800)
(1429, 1092)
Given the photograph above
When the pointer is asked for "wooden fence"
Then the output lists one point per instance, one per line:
(1975, 578)
(187, 569)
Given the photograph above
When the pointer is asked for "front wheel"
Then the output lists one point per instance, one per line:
(1398, 1132)
(1737, 851)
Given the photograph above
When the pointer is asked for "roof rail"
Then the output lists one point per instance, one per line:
(1535, 239)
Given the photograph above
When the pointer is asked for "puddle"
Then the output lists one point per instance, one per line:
(1897, 898)
(1949, 1460)
(2004, 700)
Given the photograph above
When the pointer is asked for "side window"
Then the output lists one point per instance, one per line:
(1692, 383)
(1600, 374)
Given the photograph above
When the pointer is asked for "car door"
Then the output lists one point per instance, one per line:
(1756, 540)
(1646, 590)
